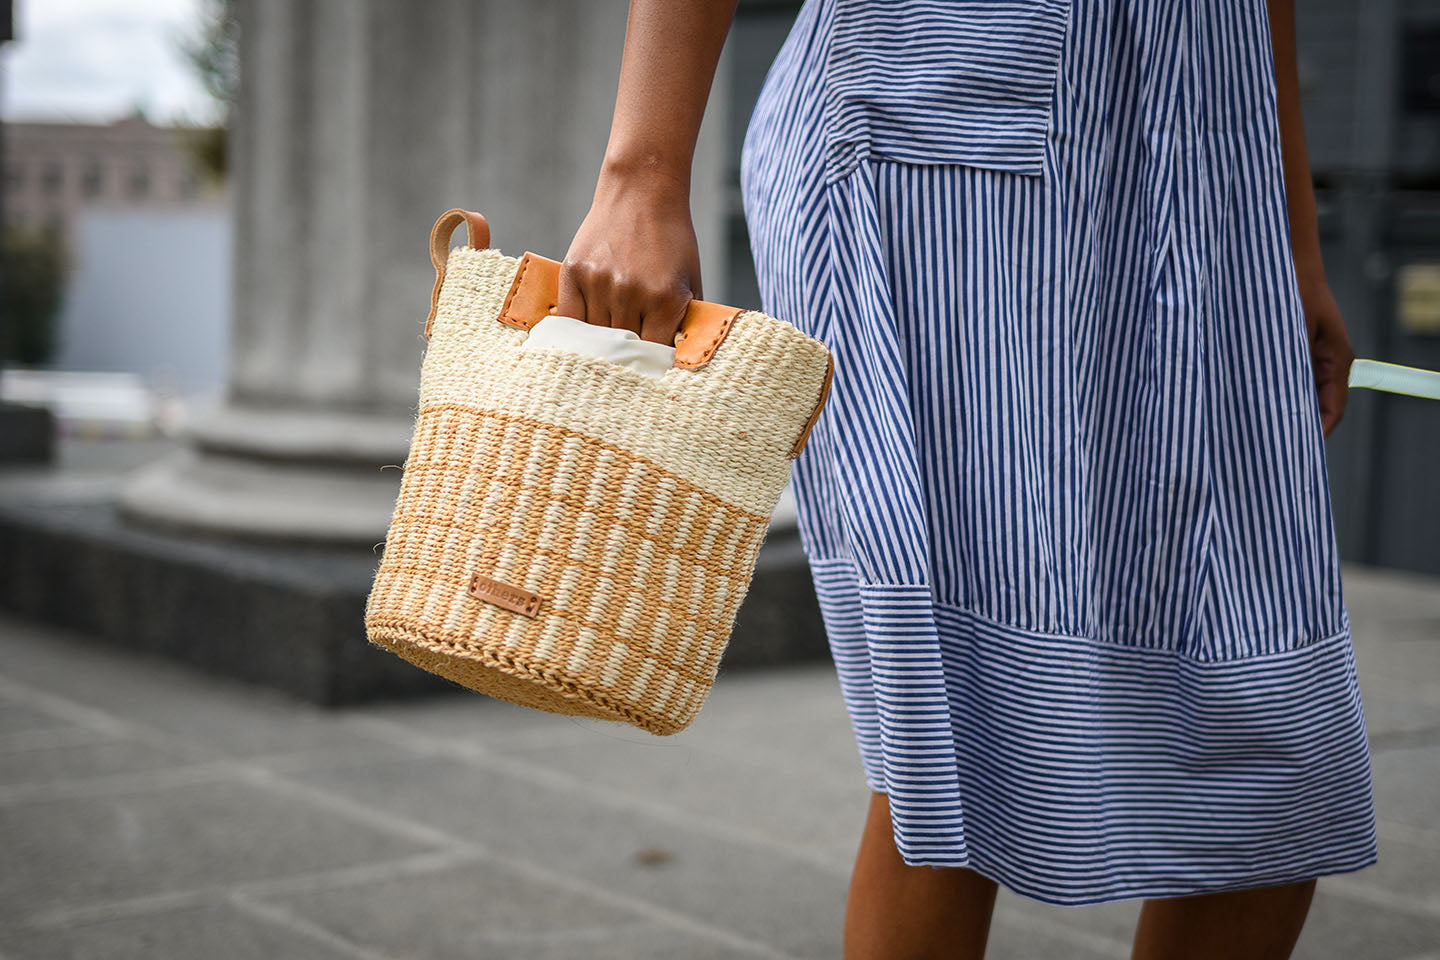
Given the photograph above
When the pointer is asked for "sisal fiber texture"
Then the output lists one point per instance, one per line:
(631, 507)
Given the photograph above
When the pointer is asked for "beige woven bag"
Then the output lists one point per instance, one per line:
(570, 534)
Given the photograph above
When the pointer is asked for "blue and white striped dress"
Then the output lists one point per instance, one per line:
(1067, 508)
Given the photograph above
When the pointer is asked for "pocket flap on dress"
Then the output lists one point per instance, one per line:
(939, 81)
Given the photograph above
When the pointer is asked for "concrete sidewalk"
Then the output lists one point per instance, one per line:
(149, 812)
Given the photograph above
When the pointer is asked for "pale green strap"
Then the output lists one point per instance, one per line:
(1394, 378)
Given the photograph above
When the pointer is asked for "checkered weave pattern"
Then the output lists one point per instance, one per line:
(632, 507)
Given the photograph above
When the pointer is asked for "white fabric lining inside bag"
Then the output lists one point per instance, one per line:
(616, 344)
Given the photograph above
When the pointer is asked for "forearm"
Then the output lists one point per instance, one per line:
(671, 51)
(1299, 188)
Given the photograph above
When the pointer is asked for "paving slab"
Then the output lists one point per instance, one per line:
(1407, 783)
(1028, 943)
(681, 863)
(209, 931)
(118, 841)
(1103, 929)
(799, 809)
(1406, 878)
(41, 764)
(19, 718)
(487, 909)
(166, 698)
(1339, 926)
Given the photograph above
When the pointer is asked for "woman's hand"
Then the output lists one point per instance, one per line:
(1331, 353)
(1330, 350)
(634, 262)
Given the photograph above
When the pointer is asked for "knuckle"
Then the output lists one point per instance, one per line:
(584, 271)
(602, 278)
(629, 282)
(667, 294)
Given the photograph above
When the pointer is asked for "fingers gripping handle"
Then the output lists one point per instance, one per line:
(479, 231)
(532, 296)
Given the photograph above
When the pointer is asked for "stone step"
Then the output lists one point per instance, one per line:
(285, 616)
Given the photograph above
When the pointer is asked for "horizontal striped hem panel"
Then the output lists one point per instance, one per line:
(1075, 772)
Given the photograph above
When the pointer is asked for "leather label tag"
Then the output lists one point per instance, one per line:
(505, 595)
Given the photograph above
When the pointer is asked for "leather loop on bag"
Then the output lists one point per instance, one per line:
(479, 232)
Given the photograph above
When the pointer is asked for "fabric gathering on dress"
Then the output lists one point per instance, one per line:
(1067, 509)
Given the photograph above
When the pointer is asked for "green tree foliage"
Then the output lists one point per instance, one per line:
(214, 52)
(32, 282)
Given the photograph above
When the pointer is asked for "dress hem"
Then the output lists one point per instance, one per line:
(1156, 890)
(1082, 773)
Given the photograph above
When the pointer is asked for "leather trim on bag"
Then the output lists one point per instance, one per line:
(819, 405)
(703, 330)
(534, 292)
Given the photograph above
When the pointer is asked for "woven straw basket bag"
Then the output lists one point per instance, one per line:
(571, 534)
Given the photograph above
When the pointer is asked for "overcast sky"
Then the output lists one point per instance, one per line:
(95, 60)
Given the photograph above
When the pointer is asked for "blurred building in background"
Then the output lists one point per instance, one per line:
(1370, 83)
(144, 239)
(54, 170)
(149, 294)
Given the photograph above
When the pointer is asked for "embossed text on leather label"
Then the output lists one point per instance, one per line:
(505, 595)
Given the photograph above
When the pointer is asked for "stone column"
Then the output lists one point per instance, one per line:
(358, 122)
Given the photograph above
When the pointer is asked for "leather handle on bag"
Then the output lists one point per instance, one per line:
(478, 229)
(532, 297)
(537, 280)
(534, 292)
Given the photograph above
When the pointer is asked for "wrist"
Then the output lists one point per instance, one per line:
(1310, 273)
(644, 172)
